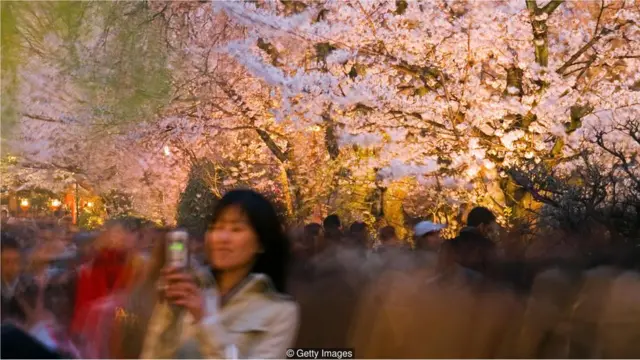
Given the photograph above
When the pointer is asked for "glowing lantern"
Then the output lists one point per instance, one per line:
(55, 204)
(24, 204)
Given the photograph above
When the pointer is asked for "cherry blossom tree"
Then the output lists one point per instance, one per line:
(83, 84)
(458, 95)
(374, 109)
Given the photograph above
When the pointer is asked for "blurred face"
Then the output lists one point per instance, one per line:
(40, 259)
(433, 240)
(232, 242)
(118, 237)
(494, 232)
(85, 251)
(10, 264)
(489, 230)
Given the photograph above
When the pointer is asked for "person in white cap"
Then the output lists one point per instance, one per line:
(427, 235)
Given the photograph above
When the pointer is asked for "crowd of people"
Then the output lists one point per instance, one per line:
(255, 289)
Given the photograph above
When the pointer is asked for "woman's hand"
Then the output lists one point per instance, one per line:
(180, 289)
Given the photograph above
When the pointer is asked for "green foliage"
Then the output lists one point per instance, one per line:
(131, 81)
(198, 199)
(113, 53)
(8, 64)
(89, 219)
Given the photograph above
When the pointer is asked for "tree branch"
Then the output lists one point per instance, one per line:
(280, 154)
(43, 118)
(538, 17)
(330, 135)
(527, 185)
(588, 45)
(551, 6)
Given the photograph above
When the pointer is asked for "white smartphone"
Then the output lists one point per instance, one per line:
(177, 250)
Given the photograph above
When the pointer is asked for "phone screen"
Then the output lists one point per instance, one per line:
(178, 249)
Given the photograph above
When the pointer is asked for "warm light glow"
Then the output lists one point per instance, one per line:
(315, 128)
(56, 203)
(166, 150)
(90, 204)
(472, 171)
(24, 205)
(488, 164)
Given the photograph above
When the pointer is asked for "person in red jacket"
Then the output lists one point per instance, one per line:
(114, 268)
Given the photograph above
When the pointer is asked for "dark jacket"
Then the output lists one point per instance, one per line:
(18, 344)
(472, 250)
(11, 309)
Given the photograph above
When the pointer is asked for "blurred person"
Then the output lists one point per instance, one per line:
(308, 243)
(43, 323)
(115, 325)
(84, 247)
(328, 288)
(358, 234)
(41, 258)
(450, 321)
(47, 270)
(428, 243)
(332, 242)
(296, 235)
(118, 234)
(145, 240)
(389, 239)
(303, 251)
(12, 220)
(618, 327)
(313, 238)
(472, 248)
(245, 314)
(551, 303)
(332, 229)
(114, 267)
(66, 223)
(47, 232)
(128, 312)
(427, 236)
(13, 279)
(4, 217)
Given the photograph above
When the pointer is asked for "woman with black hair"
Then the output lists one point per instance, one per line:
(245, 313)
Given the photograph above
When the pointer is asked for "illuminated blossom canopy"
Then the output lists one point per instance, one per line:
(454, 93)
(364, 107)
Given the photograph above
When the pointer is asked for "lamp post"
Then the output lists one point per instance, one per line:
(76, 205)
